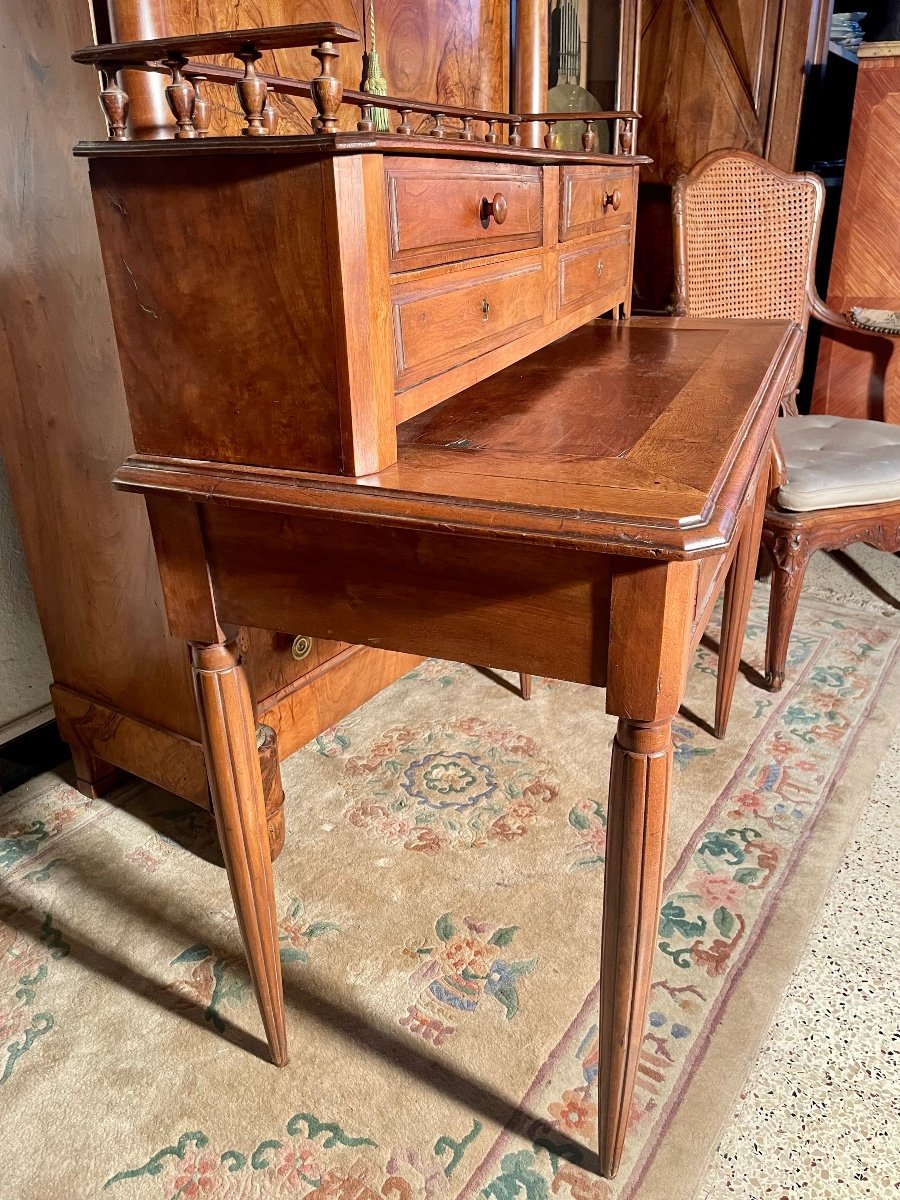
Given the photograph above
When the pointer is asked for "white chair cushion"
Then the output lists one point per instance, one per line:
(837, 462)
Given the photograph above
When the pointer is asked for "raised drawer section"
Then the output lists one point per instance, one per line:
(455, 316)
(441, 211)
(593, 199)
(594, 271)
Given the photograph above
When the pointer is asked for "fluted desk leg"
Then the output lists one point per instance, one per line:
(650, 635)
(232, 763)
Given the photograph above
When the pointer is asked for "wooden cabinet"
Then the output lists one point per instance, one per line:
(855, 375)
(122, 689)
(516, 263)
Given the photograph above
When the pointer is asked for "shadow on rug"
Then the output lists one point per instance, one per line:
(440, 898)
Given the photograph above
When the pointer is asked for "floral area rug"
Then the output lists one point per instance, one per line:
(440, 903)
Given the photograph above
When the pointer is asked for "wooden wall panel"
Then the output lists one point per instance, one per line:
(451, 50)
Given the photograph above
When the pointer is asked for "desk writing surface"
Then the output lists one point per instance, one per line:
(630, 438)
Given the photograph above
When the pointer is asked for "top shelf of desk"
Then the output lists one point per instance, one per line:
(192, 110)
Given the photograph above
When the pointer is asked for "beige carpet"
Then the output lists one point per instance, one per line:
(819, 1114)
(439, 898)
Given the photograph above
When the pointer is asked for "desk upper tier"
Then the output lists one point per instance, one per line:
(636, 437)
(622, 446)
(287, 302)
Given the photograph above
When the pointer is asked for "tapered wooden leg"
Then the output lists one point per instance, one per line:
(652, 608)
(232, 763)
(736, 606)
(640, 781)
(525, 685)
(790, 555)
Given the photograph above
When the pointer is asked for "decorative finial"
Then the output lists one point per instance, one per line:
(251, 91)
(181, 98)
(202, 107)
(327, 89)
(114, 100)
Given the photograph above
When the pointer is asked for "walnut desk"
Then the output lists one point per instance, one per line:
(370, 401)
(572, 516)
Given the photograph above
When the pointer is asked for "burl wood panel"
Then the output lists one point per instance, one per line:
(63, 422)
(456, 51)
(855, 376)
(203, 347)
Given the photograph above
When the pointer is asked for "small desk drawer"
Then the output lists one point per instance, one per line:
(455, 316)
(443, 211)
(592, 199)
(594, 271)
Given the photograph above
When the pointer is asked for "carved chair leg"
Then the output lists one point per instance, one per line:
(788, 570)
(233, 766)
(735, 607)
(525, 685)
(640, 781)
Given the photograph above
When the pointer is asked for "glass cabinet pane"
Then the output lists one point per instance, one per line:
(583, 65)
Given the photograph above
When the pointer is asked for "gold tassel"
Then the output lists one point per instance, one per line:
(376, 84)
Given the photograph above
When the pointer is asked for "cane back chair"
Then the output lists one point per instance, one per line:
(745, 247)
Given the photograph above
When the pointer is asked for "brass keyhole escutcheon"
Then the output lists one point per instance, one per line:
(485, 309)
(301, 647)
(599, 266)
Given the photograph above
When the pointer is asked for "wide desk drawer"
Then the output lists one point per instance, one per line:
(594, 199)
(594, 271)
(442, 211)
(451, 317)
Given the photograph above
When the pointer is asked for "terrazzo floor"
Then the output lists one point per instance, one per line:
(819, 1117)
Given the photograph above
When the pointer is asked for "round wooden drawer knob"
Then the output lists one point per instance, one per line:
(613, 200)
(498, 208)
(301, 647)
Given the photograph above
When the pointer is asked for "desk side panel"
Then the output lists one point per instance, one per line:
(220, 282)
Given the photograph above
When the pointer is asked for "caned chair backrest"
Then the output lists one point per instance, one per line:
(745, 240)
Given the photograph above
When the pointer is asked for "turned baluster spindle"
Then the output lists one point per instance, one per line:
(492, 136)
(551, 139)
(180, 97)
(515, 135)
(626, 136)
(405, 127)
(327, 89)
(467, 135)
(366, 123)
(589, 137)
(202, 107)
(440, 129)
(251, 92)
(270, 114)
(114, 100)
